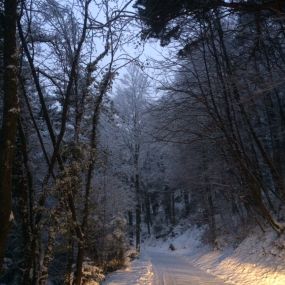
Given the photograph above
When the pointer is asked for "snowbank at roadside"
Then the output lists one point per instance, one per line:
(138, 272)
(258, 260)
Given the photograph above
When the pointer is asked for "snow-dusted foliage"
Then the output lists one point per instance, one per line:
(102, 153)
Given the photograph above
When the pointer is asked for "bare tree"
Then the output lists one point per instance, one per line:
(131, 100)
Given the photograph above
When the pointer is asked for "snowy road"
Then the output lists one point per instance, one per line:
(158, 268)
(175, 270)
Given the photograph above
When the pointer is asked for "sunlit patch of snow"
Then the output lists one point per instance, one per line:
(258, 260)
(14, 110)
(92, 275)
(139, 272)
(12, 217)
(146, 278)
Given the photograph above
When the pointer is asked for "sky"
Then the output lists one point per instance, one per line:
(147, 54)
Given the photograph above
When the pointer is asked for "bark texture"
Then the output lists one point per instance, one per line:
(10, 118)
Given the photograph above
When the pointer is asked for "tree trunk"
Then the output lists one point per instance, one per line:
(138, 226)
(211, 217)
(89, 177)
(138, 198)
(10, 119)
(173, 219)
(68, 276)
(186, 202)
(79, 265)
(148, 213)
(28, 204)
(131, 231)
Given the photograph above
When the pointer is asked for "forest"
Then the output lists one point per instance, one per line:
(121, 120)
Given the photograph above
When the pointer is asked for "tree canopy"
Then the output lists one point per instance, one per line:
(165, 20)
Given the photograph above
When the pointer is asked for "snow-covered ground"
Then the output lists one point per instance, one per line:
(258, 260)
(161, 268)
(170, 269)
(139, 272)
